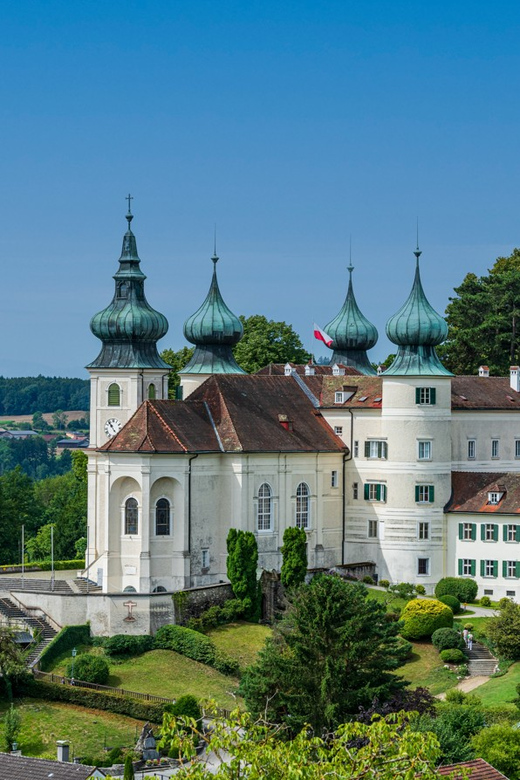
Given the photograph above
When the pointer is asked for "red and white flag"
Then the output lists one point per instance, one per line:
(322, 336)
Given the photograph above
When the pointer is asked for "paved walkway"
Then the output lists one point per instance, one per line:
(466, 685)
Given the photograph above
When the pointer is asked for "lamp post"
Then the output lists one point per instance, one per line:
(74, 653)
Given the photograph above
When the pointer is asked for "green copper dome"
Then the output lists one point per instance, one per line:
(129, 328)
(214, 329)
(417, 329)
(352, 334)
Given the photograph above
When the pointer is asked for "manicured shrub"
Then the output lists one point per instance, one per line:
(186, 706)
(89, 668)
(123, 644)
(367, 579)
(384, 583)
(485, 601)
(226, 665)
(69, 637)
(423, 617)
(453, 656)
(464, 588)
(420, 590)
(502, 603)
(447, 638)
(452, 602)
(186, 642)
(403, 590)
(294, 557)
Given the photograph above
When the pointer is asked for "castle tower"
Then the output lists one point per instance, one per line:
(128, 369)
(214, 330)
(352, 334)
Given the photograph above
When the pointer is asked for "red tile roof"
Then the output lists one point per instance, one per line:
(477, 769)
(476, 392)
(470, 492)
(230, 413)
(278, 369)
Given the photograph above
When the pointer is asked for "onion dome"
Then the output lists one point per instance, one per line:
(129, 328)
(417, 329)
(352, 334)
(214, 330)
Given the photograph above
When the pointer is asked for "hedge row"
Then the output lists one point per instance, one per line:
(196, 646)
(78, 563)
(231, 610)
(122, 705)
(69, 637)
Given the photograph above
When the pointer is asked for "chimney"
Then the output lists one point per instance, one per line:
(514, 378)
(63, 750)
(483, 371)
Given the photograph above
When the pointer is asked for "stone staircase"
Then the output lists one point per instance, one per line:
(84, 586)
(36, 624)
(481, 661)
(33, 585)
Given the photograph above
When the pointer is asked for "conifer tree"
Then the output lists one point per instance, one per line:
(294, 557)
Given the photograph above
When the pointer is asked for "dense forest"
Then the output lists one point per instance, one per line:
(29, 394)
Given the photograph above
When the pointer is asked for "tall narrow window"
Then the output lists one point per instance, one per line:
(494, 448)
(131, 516)
(114, 395)
(472, 447)
(151, 392)
(162, 517)
(264, 510)
(334, 479)
(424, 450)
(302, 505)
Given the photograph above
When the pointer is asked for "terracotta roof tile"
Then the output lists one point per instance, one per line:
(22, 768)
(470, 492)
(278, 369)
(478, 392)
(477, 769)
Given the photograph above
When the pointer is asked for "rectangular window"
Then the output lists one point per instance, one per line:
(488, 592)
(356, 449)
(424, 450)
(472, 449)
(510, 594)
(376, 449)
(510, 569)
(372, 529)
(374, 491)
(424, 531)
(423, 566)
(489, 532)
(424, 494)
(495, 448)
(467, 532)
(334, 479)
(467, 567)
(511, 533)
(517, 448)
(205, 559)
(490, 568)
(338, 398)
(355, 490)
(425, 395)
(493, 497)
(338, 430)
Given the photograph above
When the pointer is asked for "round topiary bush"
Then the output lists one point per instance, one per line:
(367, 579)
(447, 639)
(485, 601)
(384, 583)
(420, 590)
(422, 617)
(464, 588)
(453, 656)
(452, 602)
(90, 668)
(502, 603)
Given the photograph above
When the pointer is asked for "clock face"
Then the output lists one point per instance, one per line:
(112, 426)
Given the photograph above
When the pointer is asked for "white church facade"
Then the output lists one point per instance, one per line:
(413, 470)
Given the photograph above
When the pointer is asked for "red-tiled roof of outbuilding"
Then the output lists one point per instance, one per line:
(490, 392)
(477, 769)
(470, 491)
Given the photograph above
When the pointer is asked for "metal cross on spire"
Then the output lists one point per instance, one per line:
(129, 198)
(417, 252)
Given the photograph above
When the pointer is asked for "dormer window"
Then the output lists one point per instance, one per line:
(287, 369)
(338, 397)
(337, 370)
(309, 370)
(494, 497)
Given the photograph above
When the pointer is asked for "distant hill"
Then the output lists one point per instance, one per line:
(29, 394)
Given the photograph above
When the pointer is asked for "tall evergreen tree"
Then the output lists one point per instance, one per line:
(294, 557)
(242, 563)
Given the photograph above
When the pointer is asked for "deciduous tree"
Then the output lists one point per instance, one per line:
(266, 341)
(177, 360)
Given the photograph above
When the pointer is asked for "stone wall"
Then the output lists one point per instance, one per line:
(192, 602)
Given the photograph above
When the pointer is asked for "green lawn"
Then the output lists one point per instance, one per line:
(425, 669)
(478, 623)
(384, 598)
(44, 722)
(501, 690)
(240, 641)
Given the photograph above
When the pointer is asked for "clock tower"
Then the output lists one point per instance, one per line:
(128, 370)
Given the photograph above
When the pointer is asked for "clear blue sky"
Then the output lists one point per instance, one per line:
(290, 124)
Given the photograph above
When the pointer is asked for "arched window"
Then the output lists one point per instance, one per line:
(151, 392)
(122, 290)
(264, 509)
(302, 505)
(114, 395)
(159, 589)
(131, 516)
(129, 589)
(162, 517)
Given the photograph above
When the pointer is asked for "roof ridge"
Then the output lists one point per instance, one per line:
(231, 421)
(165, 424)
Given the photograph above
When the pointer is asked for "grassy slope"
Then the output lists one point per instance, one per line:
(425, 669)
(501, 690)
(87, 730)
(241, 641)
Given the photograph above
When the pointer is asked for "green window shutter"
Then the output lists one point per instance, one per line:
(431, 493)
(365, 490)
(461, 532)
(473, 531)
(179, 392)
(367, 449)
(473, 568)
(460, 566)
(495, 533)
(504, 568)
(378, 492)
(517, 569)
(383, 492)
(482, 568)
(385, 450)
(417, 395)
(114, 395)
(504, 533)
(517, 533)
(495, 568)
(433, 395)
(417, 497)
(483, 532)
